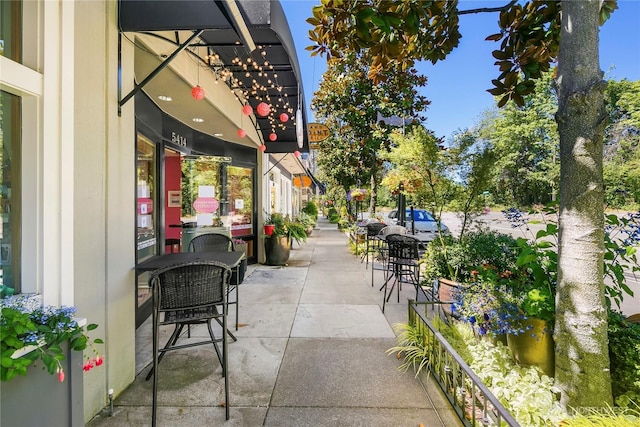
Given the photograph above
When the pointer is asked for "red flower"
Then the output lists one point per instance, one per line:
(506, 274)
(60, 375)
(98, 360)
(88, 366)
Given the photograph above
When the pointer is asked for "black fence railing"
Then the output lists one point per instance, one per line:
(474, 404)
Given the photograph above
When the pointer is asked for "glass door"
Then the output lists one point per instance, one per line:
(147, 234)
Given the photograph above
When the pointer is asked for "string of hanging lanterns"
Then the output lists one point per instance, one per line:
(266, 79)
(260, 91)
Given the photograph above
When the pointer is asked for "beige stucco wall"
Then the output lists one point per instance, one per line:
(104, 183)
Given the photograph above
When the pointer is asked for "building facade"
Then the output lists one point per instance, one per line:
(99, 172)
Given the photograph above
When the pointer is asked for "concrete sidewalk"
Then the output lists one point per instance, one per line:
(311, 351)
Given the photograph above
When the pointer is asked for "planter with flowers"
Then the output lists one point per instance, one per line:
(518, 305)
(41, 362)
(358, 194)
(278, 245)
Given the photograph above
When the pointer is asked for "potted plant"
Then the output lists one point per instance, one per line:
(32, 334)
(307, 222)
(297, 230)
(518, 303)
(277, 245)
(448, 261)
(269, 226)
(311, 209)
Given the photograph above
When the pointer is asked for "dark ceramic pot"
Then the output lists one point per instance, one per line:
(277, 250)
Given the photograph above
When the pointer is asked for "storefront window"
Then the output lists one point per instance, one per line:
(10, 226)
(11, 30)
(147, 235)
(216, 198)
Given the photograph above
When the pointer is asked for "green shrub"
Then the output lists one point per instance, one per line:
(297, 231)
(332, 215)
(311, 209)
(609, 417)
(624, 352)
(306, 220)
(530, 398)
(455, 259)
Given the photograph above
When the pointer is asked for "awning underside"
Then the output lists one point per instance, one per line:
(269, 74)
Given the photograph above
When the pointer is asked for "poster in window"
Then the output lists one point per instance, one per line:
(174, 199)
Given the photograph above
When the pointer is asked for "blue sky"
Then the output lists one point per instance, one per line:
(457, 86)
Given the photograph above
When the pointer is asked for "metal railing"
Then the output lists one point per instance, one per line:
(472, 401)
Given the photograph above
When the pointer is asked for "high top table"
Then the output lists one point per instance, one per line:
(232, 259)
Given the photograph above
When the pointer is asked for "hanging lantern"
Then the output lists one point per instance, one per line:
(302, 181)
(197, 93)
(284, 117)
(273, 137)
(262, 148)
(263, 109)
(242, 133)
(246, 110)
(296, 153)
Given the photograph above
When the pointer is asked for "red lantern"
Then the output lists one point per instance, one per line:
(262, 148)
(242, 133)
(263, 109)
(197, 93)
(284, 117)
(246, 110)
(296, 153)
(273, 137)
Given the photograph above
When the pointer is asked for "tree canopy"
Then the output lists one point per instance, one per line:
(357, 110)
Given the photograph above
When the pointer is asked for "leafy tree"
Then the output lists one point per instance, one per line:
(418, 162)
(435, 177)
(353, 107)
(622, 144)
(525, 140)
(531, 36)
(474, 167)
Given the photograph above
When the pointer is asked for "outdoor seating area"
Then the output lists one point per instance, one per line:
(302, 325)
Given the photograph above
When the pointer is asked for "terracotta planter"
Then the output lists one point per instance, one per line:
(445, 289)
(268, 229)
(277, 250)
(534, 347)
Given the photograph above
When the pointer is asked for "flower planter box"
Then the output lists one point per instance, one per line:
(39, 399)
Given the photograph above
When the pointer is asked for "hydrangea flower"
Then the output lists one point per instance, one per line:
(25, 321)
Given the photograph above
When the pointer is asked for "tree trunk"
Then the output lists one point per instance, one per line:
(582, 357)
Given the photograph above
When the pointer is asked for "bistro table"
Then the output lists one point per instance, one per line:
(232, 259)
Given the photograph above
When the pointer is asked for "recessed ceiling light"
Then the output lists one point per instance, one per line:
(165, 98)
(198, 120)
(218, 134)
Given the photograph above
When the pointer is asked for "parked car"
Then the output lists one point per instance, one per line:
(424, 223)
